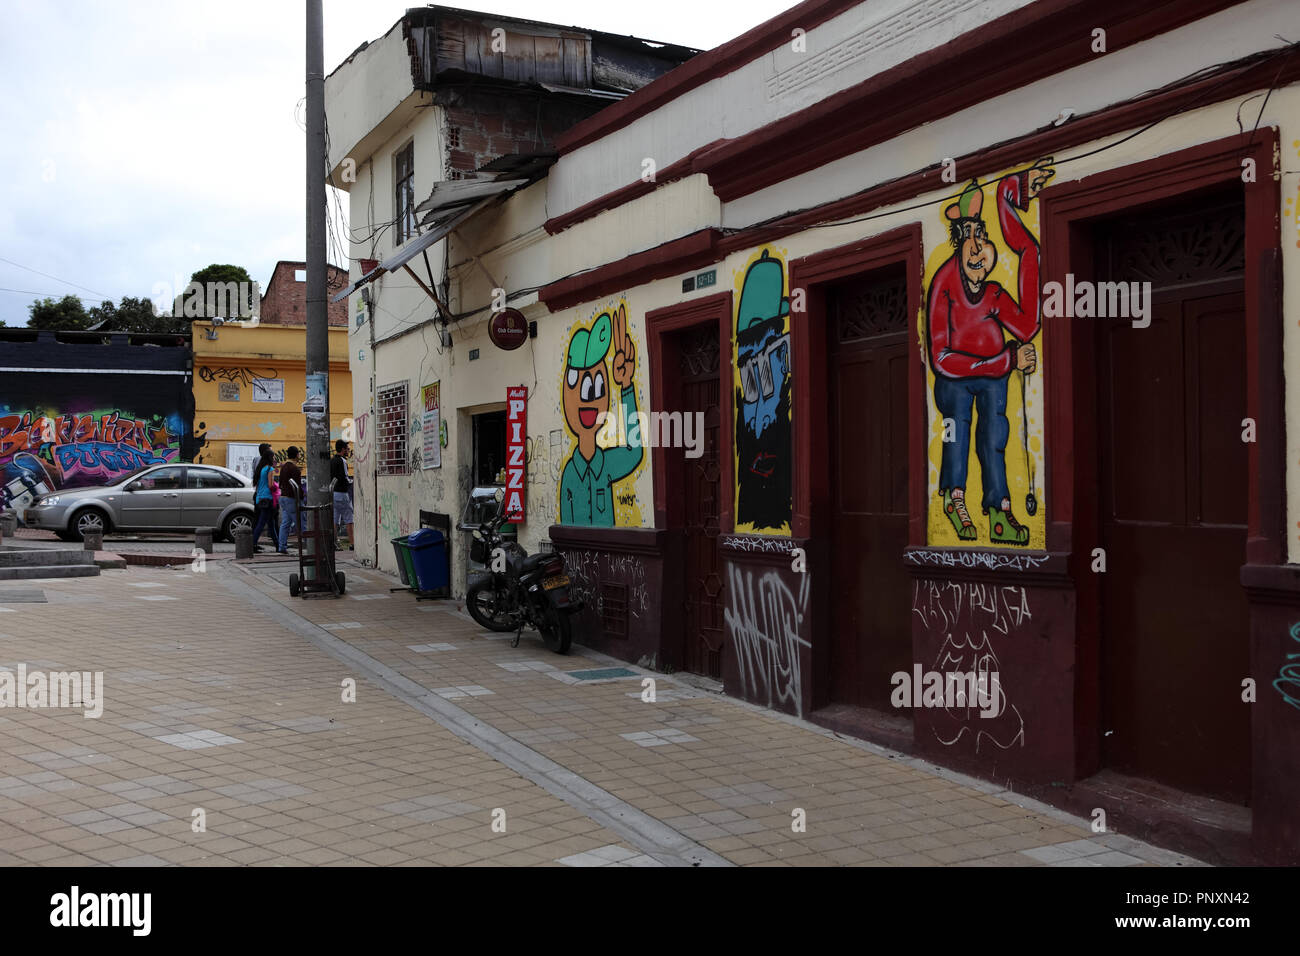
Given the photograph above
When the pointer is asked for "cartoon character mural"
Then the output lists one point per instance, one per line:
(763, 451)
(41, 452)
(597, 463)
(978, 336)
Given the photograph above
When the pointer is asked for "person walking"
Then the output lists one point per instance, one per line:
(290, 497)
(340, 482)
(262, 497)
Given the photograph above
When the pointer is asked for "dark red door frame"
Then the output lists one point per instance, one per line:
(1071, 427)
(1065, 211)
(665, 389)
(812, 492)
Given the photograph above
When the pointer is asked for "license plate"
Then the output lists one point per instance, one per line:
(559, 581)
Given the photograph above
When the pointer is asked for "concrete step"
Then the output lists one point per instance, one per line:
(18, 557)
(50, 571)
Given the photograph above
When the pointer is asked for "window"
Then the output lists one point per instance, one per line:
(404, 193)
(489, 447)
(391, 435)
(197, 478)
(161, 479)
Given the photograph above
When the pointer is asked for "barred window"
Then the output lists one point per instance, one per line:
(391, 434)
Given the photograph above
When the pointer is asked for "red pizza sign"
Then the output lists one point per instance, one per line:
(516, 432)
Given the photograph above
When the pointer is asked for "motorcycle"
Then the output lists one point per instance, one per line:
(519, 590)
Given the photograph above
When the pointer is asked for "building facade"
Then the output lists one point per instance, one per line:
(249, 384)
(962, 334)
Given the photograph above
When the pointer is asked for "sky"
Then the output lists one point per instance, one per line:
(143, 141)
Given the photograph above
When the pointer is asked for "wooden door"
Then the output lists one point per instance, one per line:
(1173, 497)
(700, 484)
(870, 633)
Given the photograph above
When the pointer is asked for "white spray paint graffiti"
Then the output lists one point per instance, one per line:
(993, 560)
(764, 618)
(587, 569)
(957, 610)
(757, 545)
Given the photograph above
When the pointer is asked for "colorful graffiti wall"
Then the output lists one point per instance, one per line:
(598, 394)
(763, 391)
(984, 360)
(45, 449)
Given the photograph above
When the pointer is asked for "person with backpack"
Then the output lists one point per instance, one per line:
(340, 485)
(263, 497)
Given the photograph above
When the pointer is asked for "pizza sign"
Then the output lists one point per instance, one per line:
(516, 434)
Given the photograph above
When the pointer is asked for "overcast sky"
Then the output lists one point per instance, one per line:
(142, 141)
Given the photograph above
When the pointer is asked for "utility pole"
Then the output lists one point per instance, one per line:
(316, 408)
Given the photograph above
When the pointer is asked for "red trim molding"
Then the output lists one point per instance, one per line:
(700, 69)
(1252, 75)
(1065, 207)
(624, 194)
(665, 389)
(1042, 39)
(1247, 75)
(679, 255)
(813, 507)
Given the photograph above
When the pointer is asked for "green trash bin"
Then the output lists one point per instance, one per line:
(405, 563)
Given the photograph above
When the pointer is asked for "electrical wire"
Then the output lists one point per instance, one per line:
(47, 275)
(1191, 77)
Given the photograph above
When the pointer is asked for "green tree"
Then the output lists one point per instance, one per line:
(191, 307)
(65, 315)
(134, 315)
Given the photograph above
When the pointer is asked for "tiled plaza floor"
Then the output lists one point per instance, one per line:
(224, 704)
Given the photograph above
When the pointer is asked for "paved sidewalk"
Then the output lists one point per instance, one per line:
(226, 696)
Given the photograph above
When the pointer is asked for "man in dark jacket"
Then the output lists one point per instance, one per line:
(340, 485)
(290, 497)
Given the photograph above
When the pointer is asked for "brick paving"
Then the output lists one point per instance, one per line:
(226, 696)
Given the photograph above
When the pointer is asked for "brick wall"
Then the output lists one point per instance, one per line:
(483, 125)
(285, 299)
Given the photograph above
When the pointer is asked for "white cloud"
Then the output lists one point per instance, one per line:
(145, 140)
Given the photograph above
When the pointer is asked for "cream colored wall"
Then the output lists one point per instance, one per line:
(520, 255)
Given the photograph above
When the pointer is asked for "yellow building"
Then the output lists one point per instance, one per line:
(249, 386)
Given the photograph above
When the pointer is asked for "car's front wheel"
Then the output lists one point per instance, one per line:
(236, 522)
(85, 520)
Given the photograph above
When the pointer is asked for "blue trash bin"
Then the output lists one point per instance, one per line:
(429, 554)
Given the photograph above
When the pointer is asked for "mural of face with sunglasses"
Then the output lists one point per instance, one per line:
(763, 452)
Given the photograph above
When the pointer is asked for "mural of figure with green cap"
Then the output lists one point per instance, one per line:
(978, 333)
(763, 451)
(586, 486)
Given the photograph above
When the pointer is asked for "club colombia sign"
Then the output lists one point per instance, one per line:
(508, 329)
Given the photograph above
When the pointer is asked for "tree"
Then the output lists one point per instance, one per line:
(218, 278)
(134, 315)
(65, 315)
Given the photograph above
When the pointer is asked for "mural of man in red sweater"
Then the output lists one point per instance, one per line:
(967, 318)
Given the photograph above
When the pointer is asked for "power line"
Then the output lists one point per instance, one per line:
(44, 295)
(75, 285)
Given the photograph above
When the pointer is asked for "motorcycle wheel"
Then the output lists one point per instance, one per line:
(557, 630)
(482, 600)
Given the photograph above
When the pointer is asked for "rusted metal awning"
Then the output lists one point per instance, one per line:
(450, 205)
(370, 276)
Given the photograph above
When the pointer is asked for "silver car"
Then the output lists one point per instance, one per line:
(157, 498)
